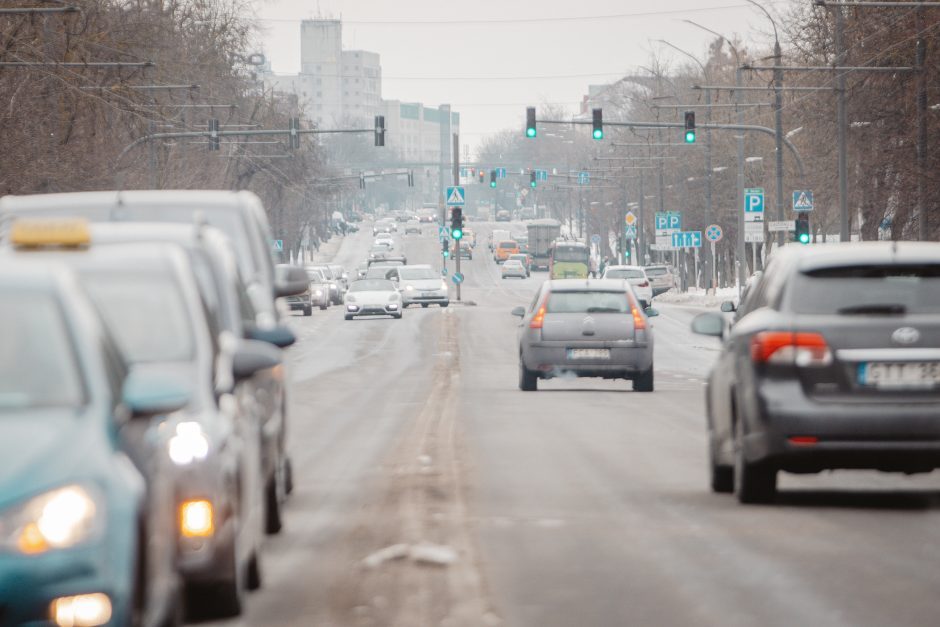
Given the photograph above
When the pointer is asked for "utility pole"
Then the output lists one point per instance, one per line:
(922, 214)
(844, 235)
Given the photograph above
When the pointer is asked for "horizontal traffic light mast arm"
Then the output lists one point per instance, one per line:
(716, 127)
(831, 68)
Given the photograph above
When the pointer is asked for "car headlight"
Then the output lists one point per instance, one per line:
(319, 292)
(57, 519)
(409, 288)
(332, 286)
(444, 285)
(189, 444)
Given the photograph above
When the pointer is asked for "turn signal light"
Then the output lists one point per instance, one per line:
(639, 322)
(790, 349)
(196, 519)
(803, 440)
(538, 319)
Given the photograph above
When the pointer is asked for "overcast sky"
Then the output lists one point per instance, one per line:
(489, 71)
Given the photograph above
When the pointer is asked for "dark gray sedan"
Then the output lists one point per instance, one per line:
(832, 362)
(588, 328)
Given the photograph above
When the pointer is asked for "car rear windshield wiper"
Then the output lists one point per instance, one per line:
(884, 309)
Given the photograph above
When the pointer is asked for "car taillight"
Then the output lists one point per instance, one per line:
(639, 322)
(790, 349)
(539, 318)
(643, 284)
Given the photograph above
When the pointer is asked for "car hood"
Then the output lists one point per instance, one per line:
(46, 447)
(424, 284)
(371, 297)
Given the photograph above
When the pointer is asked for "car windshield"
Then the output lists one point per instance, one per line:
(146, 312)
(655, 271)
(623, 273)
(566, 253)
(868, 289)
(508, 244)
(416, 274)
(372, 285)
(588, 302)
(512, 263)
(37, 363)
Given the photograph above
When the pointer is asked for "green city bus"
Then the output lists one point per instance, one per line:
(569, 260)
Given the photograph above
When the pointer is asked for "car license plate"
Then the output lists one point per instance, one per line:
(899, 375)
(588, 353)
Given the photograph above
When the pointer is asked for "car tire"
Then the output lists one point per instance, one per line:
(253, 578)
(721, 478)
(424, 305)
(398, 316)
(753, 483)
(445, 304)
(644, 382)
(323, 307)
(288, 476)
(347, 316)
(220, 599)
(308, 310)
(273, 522)
(528, 380)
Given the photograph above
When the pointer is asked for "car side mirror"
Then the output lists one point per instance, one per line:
(147, 394)
(728, 307)
(289, 280)
(279, 335)
(650, 312)
(709, 323)
(253, 356)
(519, 311)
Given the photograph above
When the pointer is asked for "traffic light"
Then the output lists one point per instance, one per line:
(214, 134)
(802, 229)
(690, 127)
(293, 140)
(493, 179)
(380, 130)
(598, 123)
(530, 122)
(532, 179)
(456, 223)
(445, 249)
(482, 176)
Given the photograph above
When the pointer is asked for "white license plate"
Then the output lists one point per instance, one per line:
(588, 353)
(900, 375)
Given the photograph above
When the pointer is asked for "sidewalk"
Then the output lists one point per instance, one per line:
(697, 297)
(328, 250)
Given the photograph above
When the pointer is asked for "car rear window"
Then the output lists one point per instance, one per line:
(37, 362)
(508, 244)
(624, 274)
(655, 271)
(868, 289)
(588, 302)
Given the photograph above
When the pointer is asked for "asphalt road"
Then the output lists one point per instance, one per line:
(581, 504)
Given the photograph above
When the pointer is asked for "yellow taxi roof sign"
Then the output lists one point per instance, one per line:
(50, 232)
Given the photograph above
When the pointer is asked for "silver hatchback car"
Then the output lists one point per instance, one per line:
(588, 328)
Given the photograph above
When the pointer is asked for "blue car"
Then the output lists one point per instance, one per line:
(84, 539)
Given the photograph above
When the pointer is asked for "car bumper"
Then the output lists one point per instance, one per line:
(30, 584)
(439, 296)
(854, 434)
(373, 310)
(550, 359)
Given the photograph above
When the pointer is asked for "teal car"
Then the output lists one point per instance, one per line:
(85, 518)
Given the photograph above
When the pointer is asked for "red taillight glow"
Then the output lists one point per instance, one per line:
(803, 440)
(639, 322)
(643, 284)
(539, 318)
(790, 348)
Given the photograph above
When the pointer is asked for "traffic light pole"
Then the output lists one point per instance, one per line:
(457, 184)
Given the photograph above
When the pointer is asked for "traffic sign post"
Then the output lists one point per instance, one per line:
(781, 225)
(714, 234)
(595, 239)
(456, 277)
(443, 233)
(584, 178)
(803, 200)
(630, 231)
(455, 197)
(666, 223)
(687, 239)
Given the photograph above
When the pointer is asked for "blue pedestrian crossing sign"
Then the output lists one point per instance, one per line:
(802, 200)
(457, 278)
(443, 233)
(630, 231)
(278, 245)
(455, 197)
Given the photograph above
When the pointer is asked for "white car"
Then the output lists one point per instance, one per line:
(421, 284)
(637, 278)
(513, 267)
(372, 297)
(384, 239)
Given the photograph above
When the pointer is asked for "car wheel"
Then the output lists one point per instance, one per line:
(721, 477)
(445, 304)
(528, 380)
(644, 382)
(218, 599)
(398, 316)
(308, 310)
(753, 483)
(253, 576)
(424, 305)
(272, 508)
(348, 317)
(323, 307)
(288, 476)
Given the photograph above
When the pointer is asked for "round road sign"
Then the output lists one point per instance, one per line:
(713, 233)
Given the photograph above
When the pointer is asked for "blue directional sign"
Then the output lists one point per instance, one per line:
(803, 200)
(541, 175)
(500, 173)
(457, 278)
(754, 204)
(584, 178)
(456, 197)
(687, 239)
(668, 220)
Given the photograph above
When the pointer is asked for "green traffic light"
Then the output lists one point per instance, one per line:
(446, 254)
(598, 134)
(530, 132)
(533, 184)
(804, 238)
(493, 184)
(690, 137)
(456, 233)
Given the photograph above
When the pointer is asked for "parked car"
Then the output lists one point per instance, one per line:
(661, 278)
(831, 363)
